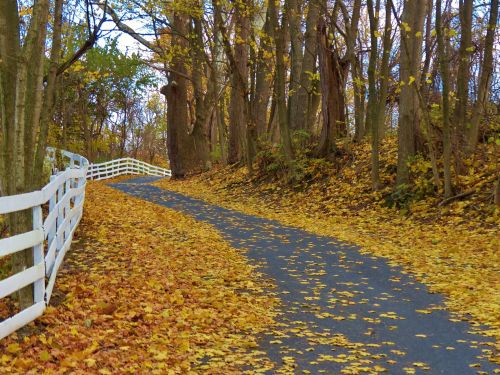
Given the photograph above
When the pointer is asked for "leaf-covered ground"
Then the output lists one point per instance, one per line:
(341, 311)
(454, 249)
(146, 290)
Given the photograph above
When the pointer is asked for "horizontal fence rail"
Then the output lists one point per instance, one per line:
(124, 166)
(62, 201)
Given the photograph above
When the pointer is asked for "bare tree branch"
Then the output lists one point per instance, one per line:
(128, 30)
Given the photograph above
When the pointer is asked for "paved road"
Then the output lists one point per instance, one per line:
(341, 310)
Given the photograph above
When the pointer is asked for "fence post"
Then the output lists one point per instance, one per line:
(60, 218)
(68, 207)
(38, 256)
(52, 205)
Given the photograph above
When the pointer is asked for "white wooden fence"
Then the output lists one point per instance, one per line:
(124, 166)
(63, 196)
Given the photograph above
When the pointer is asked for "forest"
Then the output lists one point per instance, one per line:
(274, 87)
(373, 122)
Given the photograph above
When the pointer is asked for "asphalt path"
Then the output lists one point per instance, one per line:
(341, 311)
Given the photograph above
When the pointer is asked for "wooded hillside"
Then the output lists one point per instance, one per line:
(271, 85)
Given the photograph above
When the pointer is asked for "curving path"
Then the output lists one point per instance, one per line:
(342, 312)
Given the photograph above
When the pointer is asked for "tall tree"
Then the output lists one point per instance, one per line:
(237, 120)
(445, 78)
(384, 70)
(279, 41)
(333, 100)
(485, 75)
(27, 104)
(373, 101)
(264, 72)
(307, 98)
(294, 17)
(464, 60)
(412, 21)
(187, 142)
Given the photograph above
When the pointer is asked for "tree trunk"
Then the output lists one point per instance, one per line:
(29, 104)
(293, 15)
(279, 40)
(333, 101)
(305, 90)
(429, 42)
(359, 89)
(9, 52)
(238, 121)
(445, 78)
(219, 104)
(463, 74)
(410, 59)
(373, 101)
(21, 90)
(203, 101)
(384, 72)
(187, 151)
(484, 79)
(50, 95)
(263, 79)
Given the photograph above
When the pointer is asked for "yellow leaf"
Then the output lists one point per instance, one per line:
(424, 311)
(161, 356)
(13, 348)
(419, 364)
(45, 356)
(4, 359)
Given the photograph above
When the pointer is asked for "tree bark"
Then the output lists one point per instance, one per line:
(463, 74)
(384, 71)
(359, 101)
(215, 77)
(445, 78)
(237, 119)
(263, 78)
(410, 57)
(9, 54)
(373, 101)
(203, 101)
(333, 96)
(486, 72)
(279, 40)
(293, 15)
(186, 150)
(50, 94)
(21, 77)
(305, 109)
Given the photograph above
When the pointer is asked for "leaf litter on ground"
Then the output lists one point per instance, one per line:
(146, 289)
(453, 249)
